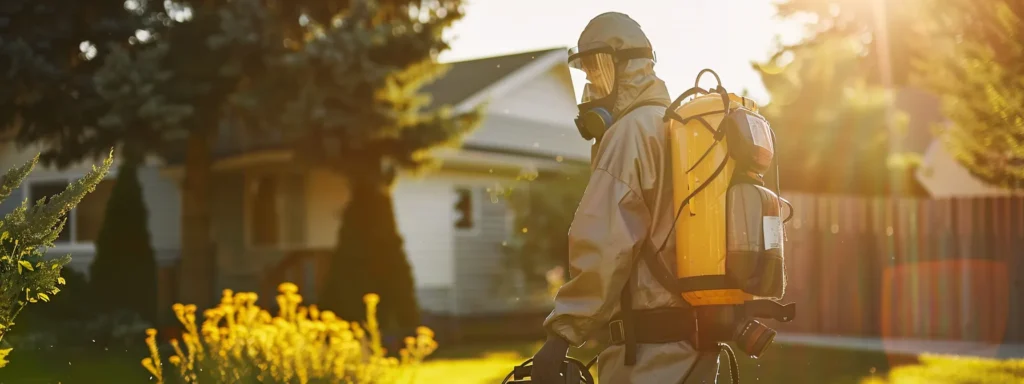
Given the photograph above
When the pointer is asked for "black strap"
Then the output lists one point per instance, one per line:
(767, 309)
(705, 283)
(657, 326)
(626, 315)
(648, 253)
(662, 275)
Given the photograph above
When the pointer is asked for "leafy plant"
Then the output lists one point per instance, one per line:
(544, 205)
(238, 342)
(26, 274)
(974, 64)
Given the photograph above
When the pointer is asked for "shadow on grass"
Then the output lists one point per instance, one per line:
(74, 365)
(465, 364)
(781, 364)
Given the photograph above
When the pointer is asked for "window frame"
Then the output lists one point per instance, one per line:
(281, 178)
(72, 216)
(474, 203)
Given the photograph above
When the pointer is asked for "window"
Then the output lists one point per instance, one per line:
(84, 221)
(465, 209)
(263, 228)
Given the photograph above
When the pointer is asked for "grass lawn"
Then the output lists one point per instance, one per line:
(460, 364)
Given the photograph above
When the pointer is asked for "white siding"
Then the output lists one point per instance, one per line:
(944, 177)
(160, 195)
(479, 261)
(163, 202)
(326, 196)
(548, 99)
(424, 213)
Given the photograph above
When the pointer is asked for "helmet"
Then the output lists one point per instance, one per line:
(574, 372)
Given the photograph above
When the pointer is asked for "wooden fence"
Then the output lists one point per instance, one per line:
(920, 268)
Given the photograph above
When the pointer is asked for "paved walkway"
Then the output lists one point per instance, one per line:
(906, 346)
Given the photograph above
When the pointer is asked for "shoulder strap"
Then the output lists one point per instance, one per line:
(648, 103)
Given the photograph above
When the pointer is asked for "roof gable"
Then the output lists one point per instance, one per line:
(467, 78)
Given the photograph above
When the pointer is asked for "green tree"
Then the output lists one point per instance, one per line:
(141, 121)
(48, 54)
(863, 20)
(975, 66)
(355, 106)
(544, 208)
(830, 104)
(163, 82)
(831, 125)
(26, 274)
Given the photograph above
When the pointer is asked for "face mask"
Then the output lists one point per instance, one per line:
(594, 116)
(597, 63)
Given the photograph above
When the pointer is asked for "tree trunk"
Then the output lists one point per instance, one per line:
(196, 275)
(369, 257)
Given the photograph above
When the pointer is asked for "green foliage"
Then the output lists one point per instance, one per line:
(49, 50)
(124, 271)
(830, 123)
(137, 89)
(828, 20)
(975, 64)
(352, 102)
(829, 106)
(370, 258)
(544, 208)
(954, 370)
(356, 83)
(26, 274)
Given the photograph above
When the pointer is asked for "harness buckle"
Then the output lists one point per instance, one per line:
(617, 331)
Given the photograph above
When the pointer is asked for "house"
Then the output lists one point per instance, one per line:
(274, 219)
(940, 175)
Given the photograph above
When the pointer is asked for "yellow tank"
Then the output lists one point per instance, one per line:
(701, 229)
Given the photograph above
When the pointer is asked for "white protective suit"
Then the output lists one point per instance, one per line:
(629, 196)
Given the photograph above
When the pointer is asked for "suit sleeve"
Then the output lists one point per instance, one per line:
(604, 237)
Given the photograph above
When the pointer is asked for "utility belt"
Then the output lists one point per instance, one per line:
(703, 327)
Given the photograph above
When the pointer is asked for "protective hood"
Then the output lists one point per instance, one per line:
(636, 82)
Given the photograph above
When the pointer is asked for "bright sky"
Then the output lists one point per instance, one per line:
(688, 35)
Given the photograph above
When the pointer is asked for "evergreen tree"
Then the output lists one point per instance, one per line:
(140, 120)
(52, 51)
(976, 66)
(356, 107)
(26, 274)
(49, 51)
(123, 273)
(173, 69)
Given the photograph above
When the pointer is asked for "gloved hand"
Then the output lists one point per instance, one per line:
(547, 363)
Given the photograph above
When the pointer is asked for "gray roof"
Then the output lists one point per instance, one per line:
(466, 78)
(516, 135)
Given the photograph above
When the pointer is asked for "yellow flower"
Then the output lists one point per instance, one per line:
(371, 299)
(237, 340)
(287, 288)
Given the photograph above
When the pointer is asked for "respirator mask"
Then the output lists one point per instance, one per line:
(597, 63)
